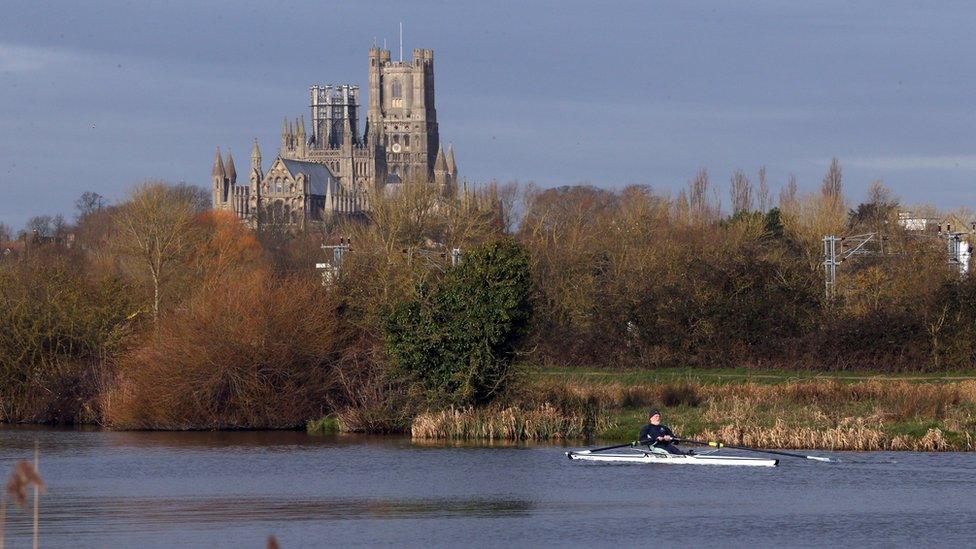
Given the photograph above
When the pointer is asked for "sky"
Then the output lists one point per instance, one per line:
(100, 96)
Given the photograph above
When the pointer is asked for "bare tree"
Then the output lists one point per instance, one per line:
(196, 197)
(5, 233)
(878, 193)
(59, 226)
(831, 187)
(702, 205)
(155, 229)
(40, 225)
(89, 202)
(763, 193)
(740, 192)
(682, 210)
(880, 208)
(787, 195)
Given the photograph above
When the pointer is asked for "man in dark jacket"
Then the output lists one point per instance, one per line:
(657, 435)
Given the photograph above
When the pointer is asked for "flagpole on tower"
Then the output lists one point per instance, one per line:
(401, 41)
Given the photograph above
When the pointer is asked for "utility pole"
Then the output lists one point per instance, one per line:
(830, 266)
(849, 246)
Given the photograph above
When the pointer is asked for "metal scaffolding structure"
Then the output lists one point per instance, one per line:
(330, 269)
(837, 250)
(868, 244)
(433, 258)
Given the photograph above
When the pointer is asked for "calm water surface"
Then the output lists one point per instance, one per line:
(234, 489)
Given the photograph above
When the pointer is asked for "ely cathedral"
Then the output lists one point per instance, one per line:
(330, 168)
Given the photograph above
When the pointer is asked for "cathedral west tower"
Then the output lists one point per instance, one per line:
(401, 114)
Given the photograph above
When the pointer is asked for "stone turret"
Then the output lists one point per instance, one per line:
(451, 165)
(218, 167)
(255, 156)
(301, 143)
(441, 175)
(230, 170)
(284, 134)
(219, 181)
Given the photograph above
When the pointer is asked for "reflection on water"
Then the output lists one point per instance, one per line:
(234, 489)
(142, 512)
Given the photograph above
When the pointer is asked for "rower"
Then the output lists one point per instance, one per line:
(657, 435)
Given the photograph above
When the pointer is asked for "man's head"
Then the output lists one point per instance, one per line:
(654, 416)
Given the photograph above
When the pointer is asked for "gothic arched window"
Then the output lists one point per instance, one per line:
(397, 89)
(406, 140)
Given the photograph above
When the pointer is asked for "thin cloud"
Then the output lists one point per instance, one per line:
(949, 162)
(17, 58)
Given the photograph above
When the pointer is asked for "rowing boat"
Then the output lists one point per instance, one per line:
(641, 456)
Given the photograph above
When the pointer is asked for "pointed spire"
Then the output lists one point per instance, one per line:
(231, 171)
(301, 126)
(440, 165)
(347, 136)
(451, 166)
(256, 153)
(218, 167)
(284, 127)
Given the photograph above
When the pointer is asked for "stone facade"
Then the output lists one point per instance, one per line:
(333, 169)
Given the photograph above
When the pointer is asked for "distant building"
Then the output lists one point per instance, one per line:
(333, 169)
(908, 221)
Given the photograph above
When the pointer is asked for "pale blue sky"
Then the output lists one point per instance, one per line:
(101, 95)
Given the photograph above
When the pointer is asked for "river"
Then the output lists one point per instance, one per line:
(234, 489)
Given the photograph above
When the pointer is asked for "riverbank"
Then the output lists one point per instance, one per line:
(767, 409)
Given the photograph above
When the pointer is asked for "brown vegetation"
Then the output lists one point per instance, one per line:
(247, 348)
(636, 278)
(244, 333)
(545, 422)
(254, 352)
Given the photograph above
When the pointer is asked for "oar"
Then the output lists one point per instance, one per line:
(720, 445)
(605, 448)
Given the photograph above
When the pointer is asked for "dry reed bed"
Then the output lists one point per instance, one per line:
(813, 414)
(855, 434)
(545, 422)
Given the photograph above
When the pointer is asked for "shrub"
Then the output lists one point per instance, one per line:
(252, 352)
(459, 336)
(58, 326)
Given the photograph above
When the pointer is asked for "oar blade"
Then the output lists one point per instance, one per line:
(818, 458)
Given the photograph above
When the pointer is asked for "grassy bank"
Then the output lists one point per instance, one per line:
(770, 409)
(718, 376)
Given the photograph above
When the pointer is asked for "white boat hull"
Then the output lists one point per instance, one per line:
(671, 459)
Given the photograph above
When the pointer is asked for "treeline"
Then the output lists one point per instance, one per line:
(162, 314)
(159, 313)
(637, 278)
